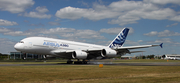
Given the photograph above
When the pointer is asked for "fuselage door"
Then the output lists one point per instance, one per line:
(28, 45)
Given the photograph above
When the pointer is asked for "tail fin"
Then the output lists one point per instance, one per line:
(120, 39)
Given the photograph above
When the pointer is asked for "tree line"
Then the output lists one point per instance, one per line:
(146, 57)
(3, 56)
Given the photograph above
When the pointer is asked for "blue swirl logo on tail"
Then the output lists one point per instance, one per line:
(120, 39)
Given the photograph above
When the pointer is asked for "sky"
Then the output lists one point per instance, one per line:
(93, 21)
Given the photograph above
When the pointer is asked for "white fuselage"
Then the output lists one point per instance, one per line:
(45, 46)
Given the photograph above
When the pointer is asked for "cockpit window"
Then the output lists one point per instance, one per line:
(21, 42)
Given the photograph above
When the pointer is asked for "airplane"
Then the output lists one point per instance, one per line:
(77, 50)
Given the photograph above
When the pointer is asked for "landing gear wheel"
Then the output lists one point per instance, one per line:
(80, 62)
(69, 62)
(77, 62)
(84, 62)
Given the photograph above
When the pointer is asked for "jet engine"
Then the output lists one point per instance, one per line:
(79, 55)
(108, 53)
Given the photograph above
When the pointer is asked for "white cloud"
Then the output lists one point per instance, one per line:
(11, 32)
(159, 14)
(152, 33)
(15, 33)
(163, 2)
(168, 33)
(172, 25)
(53, 23)
(71, 13)
(176, 44)
(115, 30)
(58, 30)
(168, 45)
(15, 6)
(77, 13)
(55, 32)
(83, 3)
(164, 40)
(122, 12)
(88, 34)
(68, 33)
(4, 30)
(7, 23)
(164, 33)
(131, 43)
(6, 46)
(123, 20)
(39, 13)
(132, 11)
(39, 24)
(140, 41)
(42, 9)
(175, 18)
(73, 33)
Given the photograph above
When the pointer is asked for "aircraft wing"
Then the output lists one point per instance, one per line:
(97, 52)
(137, 47)
(126, 49)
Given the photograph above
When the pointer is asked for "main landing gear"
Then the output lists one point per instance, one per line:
(69, 61)
(77, 62)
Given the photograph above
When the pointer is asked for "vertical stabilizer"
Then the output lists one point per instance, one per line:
(120, 39)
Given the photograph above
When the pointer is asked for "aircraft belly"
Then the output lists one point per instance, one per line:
(65, 55)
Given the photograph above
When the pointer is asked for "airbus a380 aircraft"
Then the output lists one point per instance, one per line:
(76, 50)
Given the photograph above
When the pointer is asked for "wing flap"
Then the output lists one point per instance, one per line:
(93, 50)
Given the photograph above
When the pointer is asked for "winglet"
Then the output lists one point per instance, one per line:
(161, 45)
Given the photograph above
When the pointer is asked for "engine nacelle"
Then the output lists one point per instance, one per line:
(79, 55)
(108, 53)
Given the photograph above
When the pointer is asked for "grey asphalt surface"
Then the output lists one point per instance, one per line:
(104, 63)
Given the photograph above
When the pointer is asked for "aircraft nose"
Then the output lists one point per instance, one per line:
(17, 46)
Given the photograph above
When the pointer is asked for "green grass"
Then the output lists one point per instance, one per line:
(31, 62)
(89, 73)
